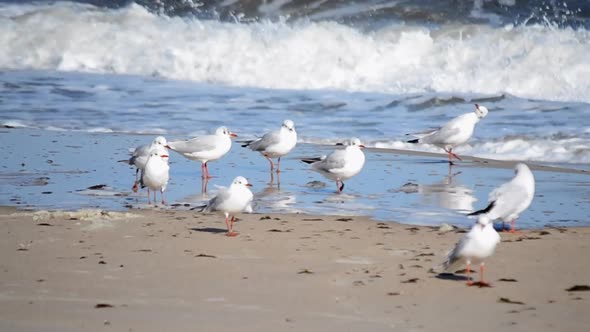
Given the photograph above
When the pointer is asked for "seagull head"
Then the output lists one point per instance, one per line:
(289, 125)
(241, 181)
(223, 131)
(355, 142)
(481, 111)
(483, 220)
(521, 168)
(159, 151)
(160, 141)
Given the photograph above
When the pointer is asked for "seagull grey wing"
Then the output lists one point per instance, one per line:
(441, 135)
(216, 201)
(336, 160)
(425, 132)
(197, 144)
(265, 141)
(454, 257)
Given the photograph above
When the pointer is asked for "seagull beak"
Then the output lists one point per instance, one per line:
(361, 146)
(477, 107)
(164, 156)
(248, 185)
(167, 146)
(233, 135)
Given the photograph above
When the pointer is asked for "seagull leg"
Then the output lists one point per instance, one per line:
(162, 194)
(204, 185)
(454, 155)
(203, 176)
(279, 165)
(482, 283)
(149, 203)
(469, 282)
(512, 229)
(207, 169)
(231, 227)
(155, 192)
(450, 157)
(272, 165)
(135, 187)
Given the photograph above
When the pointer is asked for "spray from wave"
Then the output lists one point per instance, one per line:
(532, 61)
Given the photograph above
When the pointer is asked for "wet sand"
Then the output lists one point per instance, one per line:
(155, 270)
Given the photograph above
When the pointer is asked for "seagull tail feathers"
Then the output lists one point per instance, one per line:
(482, 211)
(311, 160)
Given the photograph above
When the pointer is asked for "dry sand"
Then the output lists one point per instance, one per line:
(156, 270)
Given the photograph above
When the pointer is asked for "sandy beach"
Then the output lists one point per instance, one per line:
(155, 270)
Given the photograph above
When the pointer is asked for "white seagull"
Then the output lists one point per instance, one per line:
(454, 133)
(231, 201)
(340, 165)
(475, 246)
(156, 172)
(509, 200)
(140, 156)
(205, 148)
(275, 144)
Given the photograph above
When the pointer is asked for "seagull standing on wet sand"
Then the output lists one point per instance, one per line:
(454, 133)
(275, 144)
(205, 148)
(509, 200)
(340, 165)
(231, 201)
(475, 246)
(156, 173)
(140, 156)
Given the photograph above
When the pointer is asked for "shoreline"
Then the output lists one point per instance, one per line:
(417, 188)
(150, 270)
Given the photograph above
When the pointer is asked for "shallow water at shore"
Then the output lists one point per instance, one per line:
(56, 169)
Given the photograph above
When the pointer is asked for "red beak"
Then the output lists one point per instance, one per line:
(477, 106)
(233, 135)
(164, 156)
(167, 146)
(361, 146)
(248, 185)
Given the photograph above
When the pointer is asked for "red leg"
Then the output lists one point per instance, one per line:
(272, 165)
(203, 175)
(162, 194)
(482, 283)
(207, 169)
(512, 229)
(338, 186)
(231, 227)
(149, 196)
(454, 155)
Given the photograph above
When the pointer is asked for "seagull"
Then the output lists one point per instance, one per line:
(509, 200)
(454, 133)
(340, 165)
(478, 244)
(275, 144)
(205, 148)
(156, 172)
(140, 156)
(231, 201)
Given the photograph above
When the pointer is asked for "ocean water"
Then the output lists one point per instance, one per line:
(377, 70)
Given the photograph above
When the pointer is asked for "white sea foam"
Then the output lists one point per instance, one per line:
(540, 62)
(567, 150)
